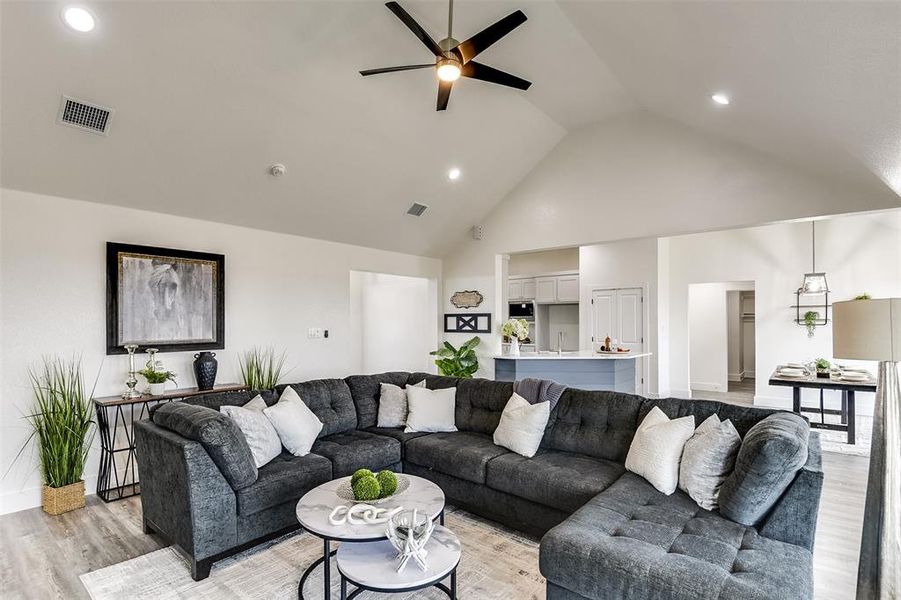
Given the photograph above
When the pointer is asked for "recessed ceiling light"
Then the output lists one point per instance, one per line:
(78, 19)
(453, 174)
(720, 99)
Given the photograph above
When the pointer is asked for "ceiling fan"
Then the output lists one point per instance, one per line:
(454, 59)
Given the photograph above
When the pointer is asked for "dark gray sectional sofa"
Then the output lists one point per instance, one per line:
(608, 534)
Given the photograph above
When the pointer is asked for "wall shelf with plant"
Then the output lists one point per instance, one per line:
(815, 314)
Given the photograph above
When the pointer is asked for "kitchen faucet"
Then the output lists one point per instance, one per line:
(559, 343)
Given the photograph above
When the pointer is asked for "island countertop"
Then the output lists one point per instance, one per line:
(577, 355)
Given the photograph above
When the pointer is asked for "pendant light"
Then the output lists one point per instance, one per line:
(814, 283)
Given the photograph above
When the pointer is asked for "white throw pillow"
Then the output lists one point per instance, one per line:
(657, 449)
(295, 423)
(708, 458)
(393, 405)
(431, 410)
(261, 436)
(522, 425)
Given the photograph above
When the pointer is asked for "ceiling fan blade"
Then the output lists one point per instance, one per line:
(414, 27)
(444, 90)
(469, 49)
(393, 69)
(475, 70)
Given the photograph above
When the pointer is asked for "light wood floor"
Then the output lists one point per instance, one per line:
(41, 557)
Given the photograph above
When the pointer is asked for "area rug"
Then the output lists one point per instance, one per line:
(497, 564)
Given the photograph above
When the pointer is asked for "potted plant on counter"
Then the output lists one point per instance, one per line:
(516, 330)
(157, 379)
(61, 421)
(822, 367)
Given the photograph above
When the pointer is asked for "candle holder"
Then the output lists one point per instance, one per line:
(132, 380)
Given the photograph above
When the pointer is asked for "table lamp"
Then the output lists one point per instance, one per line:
(871, 330)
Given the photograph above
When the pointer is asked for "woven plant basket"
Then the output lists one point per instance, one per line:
(57, 501)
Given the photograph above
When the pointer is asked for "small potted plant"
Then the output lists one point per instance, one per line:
(457, 362)
(61, 421)
(516, 330)
(261, 369)
(822, 366)
(157, 379)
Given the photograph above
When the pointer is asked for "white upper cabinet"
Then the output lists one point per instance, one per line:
(545, 289)
(568, 288)
(521, 289)
(514, 289)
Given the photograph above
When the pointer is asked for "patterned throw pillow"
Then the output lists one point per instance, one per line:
(393, 405)
(707, 460)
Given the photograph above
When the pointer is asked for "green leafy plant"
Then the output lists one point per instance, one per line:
(810, 321)
(458, 362)
(864, 296)
(261, 369)
(154, 376)
(822, 364)
(61, 420)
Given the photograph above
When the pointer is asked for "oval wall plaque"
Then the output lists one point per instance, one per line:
(467, 299)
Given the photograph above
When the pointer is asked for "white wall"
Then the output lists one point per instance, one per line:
(52, 265)
(734, 335)
(396, 316)
(859, 253)
(633, 177)
(548, 261)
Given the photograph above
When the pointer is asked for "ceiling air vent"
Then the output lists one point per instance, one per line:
(417, 209)
(89, 117)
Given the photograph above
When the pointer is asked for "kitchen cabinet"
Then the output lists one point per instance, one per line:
(545, 289)
(568, 288)
(557, 289)
(521, 289)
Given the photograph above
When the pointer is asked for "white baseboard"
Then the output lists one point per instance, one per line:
(736, 376)
(680, 394)
(702, 386)
(30, 497)
(749, 374)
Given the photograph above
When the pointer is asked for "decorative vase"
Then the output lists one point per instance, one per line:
(205, 367)
(514, 346)
(157, 389)
(56, 501)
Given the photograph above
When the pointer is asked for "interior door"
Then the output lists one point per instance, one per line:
(619, 313)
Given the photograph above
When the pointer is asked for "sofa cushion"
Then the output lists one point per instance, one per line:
(433, 382)
(354, 450)
(397, 433)
(219, 436)
(742, 417)
(561, 480)
(217, 400)
(463, 454)
(330, 401)
(599, 424)
(365, 390)
(480, 403)
(769, 458)
(632, 541)
(284, 479)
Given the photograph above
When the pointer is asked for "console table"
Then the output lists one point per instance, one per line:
(847, 388)
(116, 417)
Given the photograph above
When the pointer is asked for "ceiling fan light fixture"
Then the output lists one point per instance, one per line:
(448, 69)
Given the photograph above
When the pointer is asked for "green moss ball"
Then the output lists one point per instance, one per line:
(366, 488)
(388, 482)
(360, 473)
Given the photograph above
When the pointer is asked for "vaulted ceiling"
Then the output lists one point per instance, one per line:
(207, 95)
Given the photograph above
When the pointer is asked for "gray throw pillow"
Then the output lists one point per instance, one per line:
(393, 405)
(219, 436)
(770, 456)
(707, 459)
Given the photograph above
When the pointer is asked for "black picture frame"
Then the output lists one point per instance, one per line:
(467, 322)
(115, 251)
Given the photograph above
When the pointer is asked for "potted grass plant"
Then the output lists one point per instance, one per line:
(61, 420)
(261, 369)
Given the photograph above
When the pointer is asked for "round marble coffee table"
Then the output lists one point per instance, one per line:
(316, 505)
(371, 566)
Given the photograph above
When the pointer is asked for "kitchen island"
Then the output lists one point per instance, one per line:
(584, 370)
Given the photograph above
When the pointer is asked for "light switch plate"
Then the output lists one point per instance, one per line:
(315, 333)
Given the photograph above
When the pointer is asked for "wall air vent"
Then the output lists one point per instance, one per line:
(417, 209)
(83, 115)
